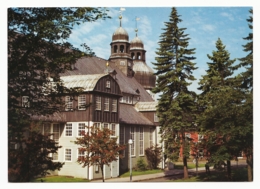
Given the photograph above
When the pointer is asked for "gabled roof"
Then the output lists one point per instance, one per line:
(96, 65)
(87, 82)
(146, 106)
(129, 115)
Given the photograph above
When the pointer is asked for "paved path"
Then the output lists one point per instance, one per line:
(157, 175)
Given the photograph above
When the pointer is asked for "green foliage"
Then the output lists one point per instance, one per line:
(174, 67)
(141, 164)
(37, 53)
(32, 157)
(153, 156)
(99, 147)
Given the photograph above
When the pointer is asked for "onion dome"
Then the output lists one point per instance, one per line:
(120, 35)
(144, 74)
(136, 43)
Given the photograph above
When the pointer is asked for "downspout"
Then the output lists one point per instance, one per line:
(88, 128)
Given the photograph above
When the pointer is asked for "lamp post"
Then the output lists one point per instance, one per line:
(130, 142)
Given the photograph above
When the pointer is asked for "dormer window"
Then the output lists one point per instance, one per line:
(108, 84)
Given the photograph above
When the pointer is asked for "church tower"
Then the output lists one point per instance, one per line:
(120, 51)
(143, 73)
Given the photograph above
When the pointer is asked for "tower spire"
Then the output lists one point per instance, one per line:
(136, 30)
(120, 16)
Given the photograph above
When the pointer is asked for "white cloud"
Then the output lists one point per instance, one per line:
(208, 27)
(229, 16)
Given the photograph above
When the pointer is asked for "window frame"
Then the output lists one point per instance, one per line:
(82, 102)
(132, 136)
(65, 130)
(65, 154)
(114, 105)
(108, 84)
(106, 104)
(151, 136)
(141, 141)
(80, 129)
(98, 100)
(68, 103)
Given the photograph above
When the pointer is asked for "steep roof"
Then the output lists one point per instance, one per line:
(96, 65)
(129, 115)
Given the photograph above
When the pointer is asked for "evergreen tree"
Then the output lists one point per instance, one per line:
(176, 106)
(37, 53)
(219, 103)
(244, 81)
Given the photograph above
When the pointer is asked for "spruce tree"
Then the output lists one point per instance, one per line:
(176, 104)
(219, 103)
(244, 81)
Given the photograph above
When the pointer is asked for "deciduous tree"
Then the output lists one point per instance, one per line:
(37, 53)
(99, 147)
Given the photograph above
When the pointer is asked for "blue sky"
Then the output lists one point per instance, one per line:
(204, 26)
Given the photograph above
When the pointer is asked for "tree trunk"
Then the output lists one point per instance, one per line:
(184, 159)
(102, 172)
(249, 161)
(229, 170)
(185, 168)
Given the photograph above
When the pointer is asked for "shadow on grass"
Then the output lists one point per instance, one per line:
(238, 175)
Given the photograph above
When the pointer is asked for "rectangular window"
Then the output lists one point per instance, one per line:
(68, 103)
(97, 125)
(141, 141)
(81, 154)
(156, 119)
(81, 129)
(122, 138)
(107, 84)
(114, 105)
(98, 102)
(106, 125)
(106, 104)
(129, 99)
(55, 131)
(25, 101)
(82, 102)
(68, 154)
(132, 136)
(151, 136)
(113, 128)
(68, 129)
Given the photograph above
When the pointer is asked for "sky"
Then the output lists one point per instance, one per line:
(203, 24)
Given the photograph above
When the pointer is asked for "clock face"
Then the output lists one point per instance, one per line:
(122, 63)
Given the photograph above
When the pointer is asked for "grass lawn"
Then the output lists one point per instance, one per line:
(238, 175)
(135, 173)
(190, 165)
(60, 179)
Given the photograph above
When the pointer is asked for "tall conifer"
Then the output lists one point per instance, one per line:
(176, 106)
(218, 102)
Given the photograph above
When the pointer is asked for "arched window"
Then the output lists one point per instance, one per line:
(133, 56)
(139, 56)
(122, 48)
(115, 48)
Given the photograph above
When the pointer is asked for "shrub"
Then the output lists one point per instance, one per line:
(141, 164)
(153, 156)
